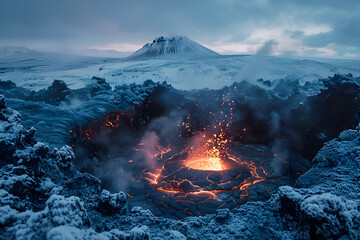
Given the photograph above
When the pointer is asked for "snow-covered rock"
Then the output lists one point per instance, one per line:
(64, 156)
(134, 94)
(72, 233)
(174, 235)
(59, 211)
(140, 212)
(140, 233)
(113, 202)
(8, 199)
(331, 215)
(97, 85)
(222, 214)
(54, 94)
(7, 215)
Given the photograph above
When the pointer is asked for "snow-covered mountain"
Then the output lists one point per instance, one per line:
(178, 46)
(11, 51)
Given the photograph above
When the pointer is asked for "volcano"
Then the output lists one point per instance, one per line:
(178, 46)
(191, 162)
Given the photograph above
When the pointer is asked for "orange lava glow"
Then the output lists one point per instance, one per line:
(206, 164)
(170, 165)
(207, 156)
(206, 153)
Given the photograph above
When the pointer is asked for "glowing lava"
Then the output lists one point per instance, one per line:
(193, 172)
(208, 156)
(206, 164)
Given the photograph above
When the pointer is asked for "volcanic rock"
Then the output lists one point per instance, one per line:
(98, 85)
(50, 199)
(140, 233)
(222, 214)
(54, 94)
(113, 203)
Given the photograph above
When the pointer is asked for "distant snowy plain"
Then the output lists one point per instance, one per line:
(37, 70)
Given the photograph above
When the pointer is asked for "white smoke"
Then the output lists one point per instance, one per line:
(254, 69)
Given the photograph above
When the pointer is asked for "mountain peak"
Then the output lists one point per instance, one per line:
(176, 46)
(174, 38)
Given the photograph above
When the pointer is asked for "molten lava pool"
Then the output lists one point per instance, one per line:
(184, 185)
(206, 164)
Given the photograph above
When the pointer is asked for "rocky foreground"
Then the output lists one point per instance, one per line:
(42, 196)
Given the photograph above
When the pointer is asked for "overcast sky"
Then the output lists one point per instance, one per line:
(323, 28)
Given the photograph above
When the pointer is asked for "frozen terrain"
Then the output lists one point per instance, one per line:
(38, 70)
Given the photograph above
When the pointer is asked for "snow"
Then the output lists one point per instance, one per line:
(183, 73)
(113, 203)
(66, 211)
(348, 135)
(133, 93)
(64, 156)
(140, 233)
(8, 199)
(66, 233)
(72, 233)
(335, 214)
(17, 184)
(174, 235)
(178, 46)
(59, 211)
(48, 186)
(7, 215)
(140, 212)
(222, 214)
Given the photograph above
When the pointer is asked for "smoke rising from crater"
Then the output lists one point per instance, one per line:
(255, 67)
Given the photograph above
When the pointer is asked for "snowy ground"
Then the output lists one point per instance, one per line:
(38, 70)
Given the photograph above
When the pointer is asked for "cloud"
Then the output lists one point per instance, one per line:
(228, 25)
(319, 52)
(294, 34)
(346, 34)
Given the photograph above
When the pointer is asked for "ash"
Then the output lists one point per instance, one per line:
(43, 195)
